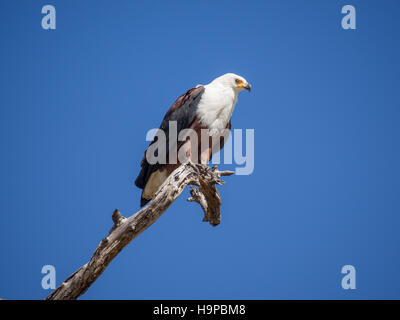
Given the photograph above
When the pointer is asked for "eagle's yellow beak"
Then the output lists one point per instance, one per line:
(243, 85)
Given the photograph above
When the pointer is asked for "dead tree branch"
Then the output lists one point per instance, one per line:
(125, 230)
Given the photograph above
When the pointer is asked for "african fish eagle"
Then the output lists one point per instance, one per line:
(205, 107)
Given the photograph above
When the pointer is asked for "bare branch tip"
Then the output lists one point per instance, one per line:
(226, 173)
(117, 217)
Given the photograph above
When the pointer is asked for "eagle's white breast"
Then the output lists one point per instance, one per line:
(216, 107)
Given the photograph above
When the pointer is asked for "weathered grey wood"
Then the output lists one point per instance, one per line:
(125, 230)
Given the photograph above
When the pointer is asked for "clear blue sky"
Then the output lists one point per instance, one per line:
(76, 103)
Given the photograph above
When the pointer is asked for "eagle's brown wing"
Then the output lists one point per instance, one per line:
(183, 111)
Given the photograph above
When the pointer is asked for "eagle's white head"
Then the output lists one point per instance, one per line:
(231, 80)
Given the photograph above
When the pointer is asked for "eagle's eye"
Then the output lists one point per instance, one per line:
(238, 81)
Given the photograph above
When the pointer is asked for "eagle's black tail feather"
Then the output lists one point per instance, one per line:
(144, 201)
(140, 181)
(142, 178)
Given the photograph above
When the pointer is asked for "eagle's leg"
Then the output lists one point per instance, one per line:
(204, 158)
(184, 152)
(205, 155)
